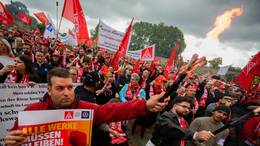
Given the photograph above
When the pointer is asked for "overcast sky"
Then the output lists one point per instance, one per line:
(194, 18)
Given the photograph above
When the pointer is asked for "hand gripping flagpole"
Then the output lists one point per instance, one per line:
(238, 121)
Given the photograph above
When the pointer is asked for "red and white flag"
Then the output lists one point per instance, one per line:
(5, 16)
(123, 47)
(73, 12)
(249, 78)
(24, 18)
(42, 17)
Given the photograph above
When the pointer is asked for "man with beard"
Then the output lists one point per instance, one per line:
(219, 114)
(172, 130)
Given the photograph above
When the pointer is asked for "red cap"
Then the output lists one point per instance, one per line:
(159, 80)
(61, 45)
(104, 69)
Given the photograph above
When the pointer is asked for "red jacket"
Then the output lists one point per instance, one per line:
(102, 113)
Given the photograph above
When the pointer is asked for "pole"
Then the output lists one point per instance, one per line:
(57, 16)
(58, 26)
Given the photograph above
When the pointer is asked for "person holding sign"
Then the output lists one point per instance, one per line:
(61, 96)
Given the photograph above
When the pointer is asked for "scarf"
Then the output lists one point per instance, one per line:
(183, 125)
(12, 78)
(143, 83)
(132, 94)
(203, 99)
(116, 126)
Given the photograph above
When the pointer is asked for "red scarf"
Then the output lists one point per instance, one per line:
(116, 126)
(203, 99)
(129, 93)
(12, 78)
(183, 125)
(143, 83)
(151, 92)
(212, 92)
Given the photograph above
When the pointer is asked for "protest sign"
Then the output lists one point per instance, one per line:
(14, 98)
(110, 39)
(57, 127)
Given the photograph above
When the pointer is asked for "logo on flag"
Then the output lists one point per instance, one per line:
(49, 27)
(249, 67)
(255, 82)
(68, 115)
(147, 54)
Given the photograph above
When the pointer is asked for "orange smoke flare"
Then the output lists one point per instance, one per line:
(223, 22)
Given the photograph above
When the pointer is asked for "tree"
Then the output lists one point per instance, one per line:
(144, 34)
(215, 62)
(162, 36)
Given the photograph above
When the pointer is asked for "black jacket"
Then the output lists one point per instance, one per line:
(84, 94)
(168, 131)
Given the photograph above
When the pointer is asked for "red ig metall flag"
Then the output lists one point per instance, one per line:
(73, 12)
(249, 78)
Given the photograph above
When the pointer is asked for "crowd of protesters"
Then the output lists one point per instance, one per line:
(203, 102)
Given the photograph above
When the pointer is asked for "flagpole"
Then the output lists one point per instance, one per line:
(57, 16)
(58, 25)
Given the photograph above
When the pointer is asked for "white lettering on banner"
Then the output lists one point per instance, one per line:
(14, 98)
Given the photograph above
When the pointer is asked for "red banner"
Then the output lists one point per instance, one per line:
(25, 19)
(5, 16)
(249, 78)
(73, 12)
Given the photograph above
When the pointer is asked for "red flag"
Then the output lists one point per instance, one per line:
(42, 18)
(249, 78)
(170, 64)
(73, 12)
(5, 16)
(123, 47)
(147, 53)
(25, 19)
(136, 66)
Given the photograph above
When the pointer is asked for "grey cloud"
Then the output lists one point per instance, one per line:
(192, 17)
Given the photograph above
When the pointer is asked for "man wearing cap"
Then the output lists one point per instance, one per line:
(212, 123)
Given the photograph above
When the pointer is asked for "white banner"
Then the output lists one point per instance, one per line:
(14, 98)
(108, 37)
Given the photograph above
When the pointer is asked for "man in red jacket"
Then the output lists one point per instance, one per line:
(61, 96)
